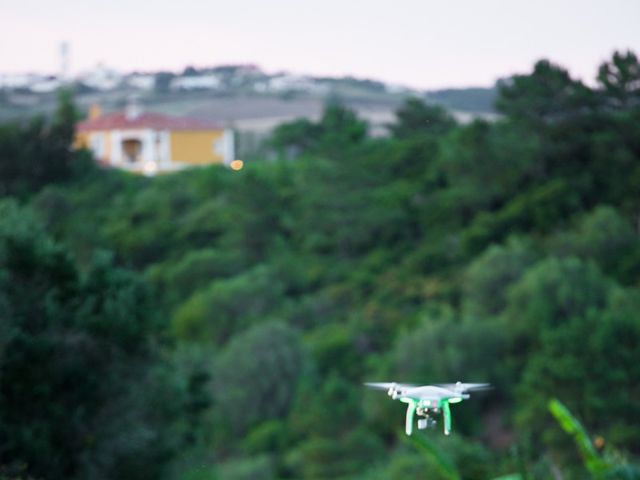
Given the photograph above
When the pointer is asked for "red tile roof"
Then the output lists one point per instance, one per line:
(156, 121)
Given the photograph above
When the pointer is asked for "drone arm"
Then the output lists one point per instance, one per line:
(411, 410)
(446, 414)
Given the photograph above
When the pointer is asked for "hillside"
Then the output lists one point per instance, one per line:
(214, 324)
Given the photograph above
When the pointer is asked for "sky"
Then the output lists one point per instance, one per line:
(417, 43)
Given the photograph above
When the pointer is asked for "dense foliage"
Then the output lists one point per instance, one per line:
(229, 330)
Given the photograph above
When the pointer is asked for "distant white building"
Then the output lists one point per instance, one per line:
(286, 82)
(141, 81)
(20, 80)
(195, 82)
(46, 85)
(101, 78)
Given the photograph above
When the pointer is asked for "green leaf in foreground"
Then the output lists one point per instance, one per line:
(594, 463)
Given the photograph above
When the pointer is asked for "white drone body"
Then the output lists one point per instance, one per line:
(427, 400)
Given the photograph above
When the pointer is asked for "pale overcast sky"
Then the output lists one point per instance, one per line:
(420, 43)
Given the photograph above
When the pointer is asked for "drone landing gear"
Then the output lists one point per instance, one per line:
(414, 406)
(411, 410)
(446, 414)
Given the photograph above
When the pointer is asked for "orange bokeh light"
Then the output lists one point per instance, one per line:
(237, 165)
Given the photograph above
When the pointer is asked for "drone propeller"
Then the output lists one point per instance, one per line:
(465, 387)
(392, 388)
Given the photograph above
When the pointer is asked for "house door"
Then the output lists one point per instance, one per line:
(132, 149)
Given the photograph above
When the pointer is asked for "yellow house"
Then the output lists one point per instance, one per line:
(151, 143)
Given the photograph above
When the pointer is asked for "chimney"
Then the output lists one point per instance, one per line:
(133, 109)
(95, 111)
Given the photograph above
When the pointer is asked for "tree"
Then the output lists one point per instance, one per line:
(326, 421)
(609, 168)
(257, 375)
(64, 119)
(546, 96)
(588, 362)
(261, 204)
(551, 294)
(415, 117)
(537, 210)
(213, 314)
(338, 130)
(295, 138)
(619, 79)
(605, 237)
(177, 280)
(489, 277)
(485, 164)
(74, 356)
(553, 291)
(38, 153)
(341, 129)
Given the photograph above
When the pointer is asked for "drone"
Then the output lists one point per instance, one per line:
(429, 400)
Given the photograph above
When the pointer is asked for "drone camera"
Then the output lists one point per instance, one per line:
(424, 423)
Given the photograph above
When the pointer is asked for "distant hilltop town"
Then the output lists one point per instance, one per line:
(223, 78)
(227, 80)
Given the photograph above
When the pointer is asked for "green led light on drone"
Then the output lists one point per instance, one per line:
(455, 400)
